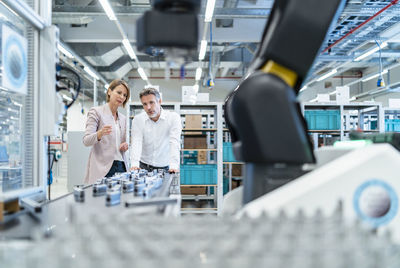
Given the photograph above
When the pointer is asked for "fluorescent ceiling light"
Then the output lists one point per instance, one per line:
(314, 100)
(198, 73)
(90, 72)
(333, 92)
(374, 76)
(209, 10)
(65, 97)
(107, 8)
(129, 48)
(303, 88)
(64, 51)
(17, 103)
(142, 73)
(327, 75)
(106, 86)
(203, 47)
(371, 51)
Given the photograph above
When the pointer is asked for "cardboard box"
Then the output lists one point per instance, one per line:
(201, 157)
(194, 190)
(193, 121)
(237, 170)
(195, 142)
(236, 183)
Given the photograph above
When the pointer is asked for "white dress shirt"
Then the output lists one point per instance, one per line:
(118, 155)
(156, 143)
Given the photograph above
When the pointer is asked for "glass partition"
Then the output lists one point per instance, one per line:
(16, 101)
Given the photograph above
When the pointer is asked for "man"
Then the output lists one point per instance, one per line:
(156, 135)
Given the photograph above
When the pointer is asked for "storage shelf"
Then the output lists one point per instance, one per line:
(349, 106)
(364, 131)
(211, 150)
(197, 197)
(199, 185)
(198, 211)
(324, 131)
(211, 127)
(235, 163)
(199, 129)
(198, 208)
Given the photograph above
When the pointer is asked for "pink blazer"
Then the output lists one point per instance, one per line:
(102, 154)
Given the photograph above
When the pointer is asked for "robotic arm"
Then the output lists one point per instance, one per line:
(262, 113)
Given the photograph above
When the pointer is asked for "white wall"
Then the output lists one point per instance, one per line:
(75, 119)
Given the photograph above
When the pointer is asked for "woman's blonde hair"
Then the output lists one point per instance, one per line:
(116, 83)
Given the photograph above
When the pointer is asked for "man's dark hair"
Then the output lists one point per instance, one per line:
(150, 91)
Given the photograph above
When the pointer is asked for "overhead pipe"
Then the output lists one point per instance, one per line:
(392, 3)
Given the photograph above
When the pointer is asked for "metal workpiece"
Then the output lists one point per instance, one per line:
(142, 173)
(126, 240)
(99, 189)
(111, 184)
(113, 196)
(59, 213)
(79, 193)
(127, 186)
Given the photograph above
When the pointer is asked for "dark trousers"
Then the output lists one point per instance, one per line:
(150, 167)
(117, 167)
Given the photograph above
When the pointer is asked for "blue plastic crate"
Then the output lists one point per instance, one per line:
(228, 155)
(190, 157)
(374, 125)
(323, 119)
(392, 125)
(198, 174)
(225, 186)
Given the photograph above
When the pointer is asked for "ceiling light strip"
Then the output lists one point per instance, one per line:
(209, 10)
(327, 75)
(97, 75)
(65, 51)
(142, 73)
(107, 8)
(370, 52)
(129, 49)
(374, 76)
(198, 73)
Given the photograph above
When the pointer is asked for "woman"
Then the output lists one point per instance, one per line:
(106, 133)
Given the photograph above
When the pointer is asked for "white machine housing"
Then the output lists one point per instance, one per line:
(365, 180)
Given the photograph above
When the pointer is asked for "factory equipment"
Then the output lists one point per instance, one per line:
(365, 180)
(171, 26)
(262, 113)
(128, 240)
(160, 195)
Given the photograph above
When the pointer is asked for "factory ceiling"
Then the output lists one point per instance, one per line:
(237, 28)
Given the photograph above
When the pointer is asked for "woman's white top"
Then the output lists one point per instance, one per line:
(118, 155)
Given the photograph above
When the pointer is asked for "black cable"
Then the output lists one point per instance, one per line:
(76, 86)
(49, 165)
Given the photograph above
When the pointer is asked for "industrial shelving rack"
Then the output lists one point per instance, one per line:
(228, 164)
(364, 112)
(214, 130)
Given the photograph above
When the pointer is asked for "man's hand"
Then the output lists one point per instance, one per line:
(106, 130)
(123, 147)
(173, 171)
(135, 168)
